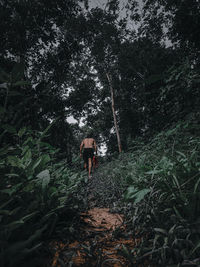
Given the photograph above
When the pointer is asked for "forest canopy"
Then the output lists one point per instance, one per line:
(55, 57)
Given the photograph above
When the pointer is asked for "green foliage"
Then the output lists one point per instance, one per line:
(163, 184)
(65, 52)
(34, 190)
(180, 93)
(136, 194)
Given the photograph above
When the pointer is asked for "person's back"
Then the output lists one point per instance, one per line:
(89, 146)
(88, 142)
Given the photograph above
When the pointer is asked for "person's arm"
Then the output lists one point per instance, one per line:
(95, 146)
(81, 147)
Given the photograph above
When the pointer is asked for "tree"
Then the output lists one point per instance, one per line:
(113, 111)
(30, 31)
(178, 21)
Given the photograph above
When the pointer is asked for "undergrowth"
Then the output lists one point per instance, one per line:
(161, 184)
(37, 196)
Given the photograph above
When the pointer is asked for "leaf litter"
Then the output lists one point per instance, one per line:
(103, 239)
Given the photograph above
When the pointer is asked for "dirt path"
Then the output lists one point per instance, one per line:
(103, 240)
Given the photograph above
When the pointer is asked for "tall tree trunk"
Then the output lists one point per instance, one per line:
(113, 110)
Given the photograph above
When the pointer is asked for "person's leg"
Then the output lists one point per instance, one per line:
(85, 158)
(93, 163)
(85, 165)
(90, 165)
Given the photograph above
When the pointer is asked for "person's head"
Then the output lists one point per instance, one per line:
(89, 134)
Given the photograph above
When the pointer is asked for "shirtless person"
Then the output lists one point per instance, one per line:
(89, 145)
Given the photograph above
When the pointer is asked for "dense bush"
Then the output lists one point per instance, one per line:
(34, 191)
(163, 180)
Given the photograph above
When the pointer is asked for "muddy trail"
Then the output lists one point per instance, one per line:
(103, 238)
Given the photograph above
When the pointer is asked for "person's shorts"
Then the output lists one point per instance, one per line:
(88, 153)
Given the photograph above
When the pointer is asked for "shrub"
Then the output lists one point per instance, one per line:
(34, 190)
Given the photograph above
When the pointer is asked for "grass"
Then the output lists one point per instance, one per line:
(160, 183)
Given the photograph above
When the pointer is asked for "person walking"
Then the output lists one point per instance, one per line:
(88, 146)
